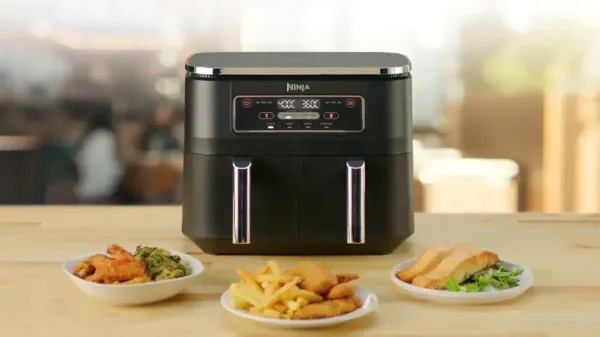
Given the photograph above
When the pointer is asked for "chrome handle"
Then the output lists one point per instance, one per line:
(355, 207)
(241, 201)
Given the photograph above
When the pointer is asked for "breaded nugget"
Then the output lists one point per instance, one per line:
(345, 278)
(330, 308)
(460, 265)
(314, 277)
(341, 291)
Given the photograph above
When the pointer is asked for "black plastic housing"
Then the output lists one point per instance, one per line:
(298, 181)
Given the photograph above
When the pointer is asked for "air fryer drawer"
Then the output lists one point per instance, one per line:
(209, 185)
(323, 197)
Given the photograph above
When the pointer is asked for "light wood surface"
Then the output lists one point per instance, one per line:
(37, 299)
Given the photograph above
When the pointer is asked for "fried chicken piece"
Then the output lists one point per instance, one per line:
(427, 261)
(460, 265)
(120, 253)
(345, 278)
(341, 291)
(83, 269)
(330, 308)
(109, 270)
(314, 277)
(138, 280)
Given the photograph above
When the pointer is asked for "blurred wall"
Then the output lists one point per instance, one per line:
(491, 125)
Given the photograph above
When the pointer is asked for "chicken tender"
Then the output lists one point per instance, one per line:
(120, 253)
(341, 291)
(330, 308)
(138, 280)
(315, 278)
(83, 269)
(109, 270)
(459, 266)
(345, 278)
(427, 261)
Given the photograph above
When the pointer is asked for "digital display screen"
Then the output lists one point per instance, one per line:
(294, 113)
(298, 103)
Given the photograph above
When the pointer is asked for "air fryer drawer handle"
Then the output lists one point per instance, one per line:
(241, 201)
(355, 207)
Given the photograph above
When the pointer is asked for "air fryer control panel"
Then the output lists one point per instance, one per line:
(298, 113)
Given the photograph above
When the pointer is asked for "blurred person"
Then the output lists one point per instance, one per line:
(158, 136)
(57, 171)
(97, 160)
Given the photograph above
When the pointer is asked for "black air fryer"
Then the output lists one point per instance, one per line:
(298, 153)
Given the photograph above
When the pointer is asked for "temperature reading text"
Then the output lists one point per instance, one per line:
(298, 103)
(310, 104)
(286, 104)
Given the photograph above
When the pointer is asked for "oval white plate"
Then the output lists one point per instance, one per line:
(444, 296)
(135, 294)
(367, 296)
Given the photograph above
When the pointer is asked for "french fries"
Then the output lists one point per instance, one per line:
(270, 293)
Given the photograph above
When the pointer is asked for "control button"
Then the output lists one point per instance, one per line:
(307, 126)
(325, 126)
(331, 116)
(288, 126)
(266, 115)
(246, 103)
(270, 126)
(350, 103)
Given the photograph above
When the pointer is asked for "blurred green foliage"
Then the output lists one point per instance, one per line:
(549, 54)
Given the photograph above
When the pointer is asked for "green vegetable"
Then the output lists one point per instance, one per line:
(497, 277)
(473, 288)
(161, 265)
(452, 285)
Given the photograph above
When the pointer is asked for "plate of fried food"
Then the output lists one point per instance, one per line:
(304, 296)
(461, 274)
(141, 276)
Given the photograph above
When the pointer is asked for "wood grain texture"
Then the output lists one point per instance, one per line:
(37, 298)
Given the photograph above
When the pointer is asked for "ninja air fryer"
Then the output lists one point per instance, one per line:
(298, 153)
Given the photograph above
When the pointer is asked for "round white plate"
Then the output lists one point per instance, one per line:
(135, 294)
(367, 296)
(444, 296)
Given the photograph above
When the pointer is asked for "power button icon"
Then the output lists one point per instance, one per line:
(350, 103)
(246, 103)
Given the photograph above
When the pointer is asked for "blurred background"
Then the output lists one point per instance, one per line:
(506, 108)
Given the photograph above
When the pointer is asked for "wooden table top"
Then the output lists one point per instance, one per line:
(36, 298)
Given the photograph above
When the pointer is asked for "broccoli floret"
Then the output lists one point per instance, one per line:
(161, 265)
(162, 252)
(167, 274)
(142, 253)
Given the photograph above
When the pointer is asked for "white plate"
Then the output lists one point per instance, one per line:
(135, 294)
(444, 296)
(367, 296)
